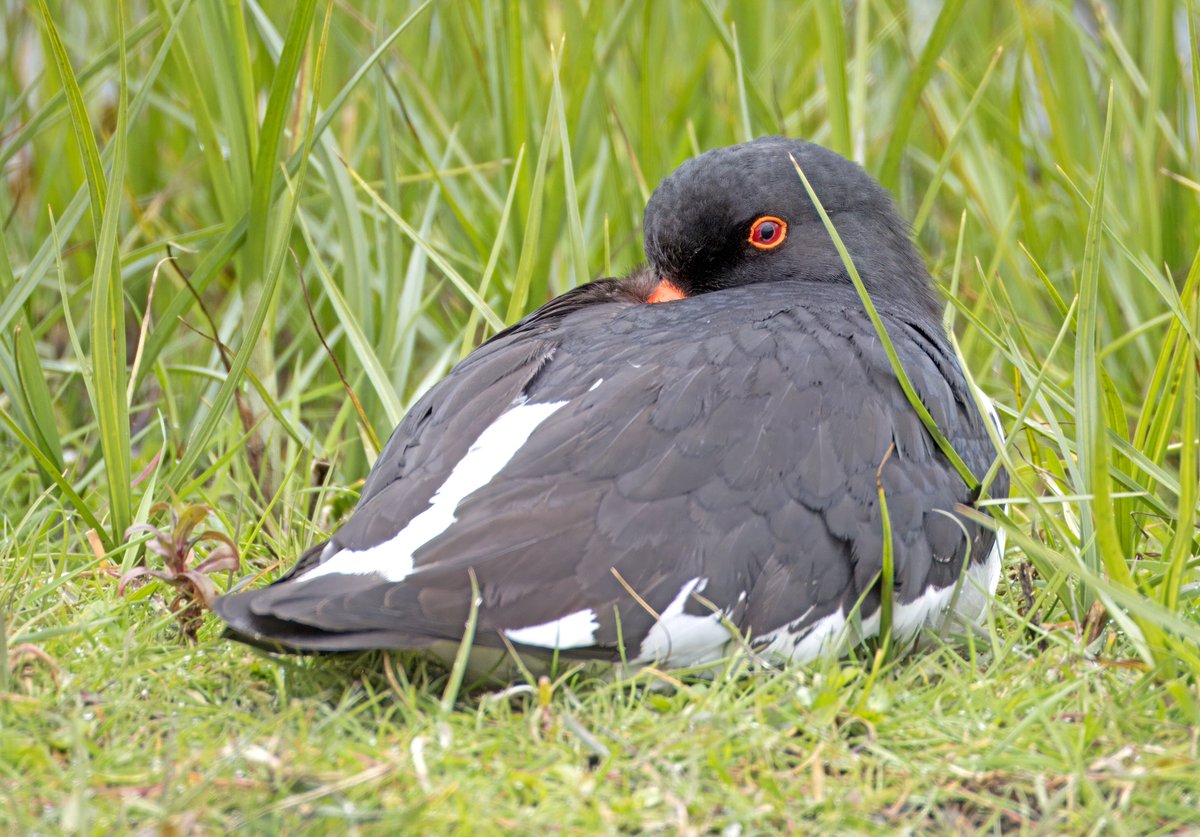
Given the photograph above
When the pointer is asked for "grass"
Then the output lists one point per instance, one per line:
(438, 170)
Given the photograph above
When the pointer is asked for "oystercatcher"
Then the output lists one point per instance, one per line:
(644, 465)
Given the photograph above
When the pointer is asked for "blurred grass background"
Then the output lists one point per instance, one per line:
(183, 180)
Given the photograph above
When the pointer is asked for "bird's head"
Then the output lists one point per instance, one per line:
(740, 215)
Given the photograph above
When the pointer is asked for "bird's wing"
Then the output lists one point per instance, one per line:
(627, 483)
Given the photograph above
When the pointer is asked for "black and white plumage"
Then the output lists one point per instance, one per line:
(714, 453)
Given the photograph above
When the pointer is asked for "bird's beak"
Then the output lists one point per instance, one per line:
(665, 291)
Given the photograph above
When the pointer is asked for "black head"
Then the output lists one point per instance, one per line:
(701, 232)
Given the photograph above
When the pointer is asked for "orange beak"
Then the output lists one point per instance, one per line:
(665, 291)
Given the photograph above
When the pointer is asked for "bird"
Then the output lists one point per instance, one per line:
(662, 468)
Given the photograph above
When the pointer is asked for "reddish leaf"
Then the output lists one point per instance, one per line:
(222, 558)
(213, 535)
(202, 586)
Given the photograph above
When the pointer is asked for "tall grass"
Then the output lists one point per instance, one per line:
(393, 175)
(184, 181)
(403, 196)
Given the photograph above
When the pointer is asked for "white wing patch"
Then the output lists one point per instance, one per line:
(392, 560)
(926, 609)
(830, 634)
(979, 585)
(823, 637)
(681, 639)
(576, 630)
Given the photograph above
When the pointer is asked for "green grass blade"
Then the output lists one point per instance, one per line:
(858, 82)
(1194, 61)
(267, 231)
(831, 29)
(935, 182)
(85, 140)
(948, 19)
(110, 374)
(463, 655)
(740, 74)
(729, 43)
(914, 399)
(468, 340)
(207, 123)
(364, 352)
(198, 440)
(81, 357)
(23, 378)
(279, 101)
(25, 285)
(533, 222)
(437, 258)
(1098, 518)
(1181, 547)
(887, 578)
(35, 395)
(78, 503)
(1090, 426)
(209, 269)
(228, 83)
(574, 224)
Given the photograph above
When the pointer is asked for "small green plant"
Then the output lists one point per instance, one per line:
(177, 546)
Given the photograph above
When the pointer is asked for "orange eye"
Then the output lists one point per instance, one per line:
(768, 232)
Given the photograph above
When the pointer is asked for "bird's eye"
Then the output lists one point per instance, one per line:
(768, 232)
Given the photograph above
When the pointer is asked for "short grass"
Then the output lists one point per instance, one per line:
(184, 180)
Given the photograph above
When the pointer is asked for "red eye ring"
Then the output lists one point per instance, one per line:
(768, 232)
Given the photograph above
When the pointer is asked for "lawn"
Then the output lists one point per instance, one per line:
(240, 239)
